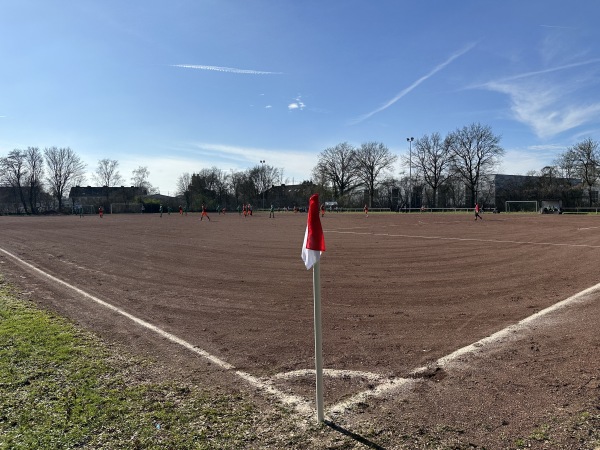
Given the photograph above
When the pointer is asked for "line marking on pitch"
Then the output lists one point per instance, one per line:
(504, 334)
(300, 404)
(332, 373)
(442, 238)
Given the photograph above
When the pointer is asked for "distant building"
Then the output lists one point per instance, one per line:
(502, 188)
(9, 201)
(291, 195)
(92, 197)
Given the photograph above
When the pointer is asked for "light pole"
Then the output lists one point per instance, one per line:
(410, 139)
(262, 162)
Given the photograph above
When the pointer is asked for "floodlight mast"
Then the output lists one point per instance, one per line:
(262, 163)
(410, 140)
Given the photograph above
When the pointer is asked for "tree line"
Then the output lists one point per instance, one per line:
(580, 161)
(452, 171)
(45, 177)
(448, 171)
(464, 157)
(353, 176)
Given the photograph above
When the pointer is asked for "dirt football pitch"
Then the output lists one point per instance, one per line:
(474, 332)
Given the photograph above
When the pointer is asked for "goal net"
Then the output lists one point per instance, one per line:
(84, 209)
(521, 206)
(120, 208)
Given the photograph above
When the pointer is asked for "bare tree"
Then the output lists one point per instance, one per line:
(107, 173)
(14, 173)
(183, 187)
(34, 161)
(65, 169)
(432, 158)
(475, 151)
(139, 179)
(565, 163)
(206, 179)
(262, 177)
(183, 183)
(372, 160)
(209, 186)
(387, 188)
(585, 157)
(222, 186)
(238, 182)
(337, 165)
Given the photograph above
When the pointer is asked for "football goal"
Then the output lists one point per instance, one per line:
(521, 206)
(120, 208)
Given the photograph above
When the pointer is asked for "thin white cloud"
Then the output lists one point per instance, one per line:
(415, 84)
(296, 104)
(550, 70)
(226, 69)
(558, 26)
(520, 160)
(296, 163)
(549, 105)
(193, 157)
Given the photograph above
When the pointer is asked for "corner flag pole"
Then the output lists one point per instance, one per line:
(312, 247)
(318, 340)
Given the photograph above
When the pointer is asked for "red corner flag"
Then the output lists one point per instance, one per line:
(314, 241)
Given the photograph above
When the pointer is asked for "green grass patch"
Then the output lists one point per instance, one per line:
(61, 387)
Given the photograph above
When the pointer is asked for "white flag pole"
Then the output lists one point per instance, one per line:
(318, 340)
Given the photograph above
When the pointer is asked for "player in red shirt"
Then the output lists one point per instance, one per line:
(204, 213)
(477, 212)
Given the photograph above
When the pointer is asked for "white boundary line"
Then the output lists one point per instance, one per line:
(300, 404)
(332, 373)
(453, 357)
(442, 238)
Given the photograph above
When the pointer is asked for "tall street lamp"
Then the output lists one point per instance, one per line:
(262, 162)
(410, 140)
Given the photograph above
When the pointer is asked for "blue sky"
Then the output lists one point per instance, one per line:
(179, 86)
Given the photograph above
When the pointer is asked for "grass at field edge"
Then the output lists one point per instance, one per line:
(61, 387)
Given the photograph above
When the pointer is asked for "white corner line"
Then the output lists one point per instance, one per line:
(442, 238)
(393, 385)
(301, 405)
(512, 329)
(331, 373)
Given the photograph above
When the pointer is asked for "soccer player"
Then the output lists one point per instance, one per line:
(323, 210)
(477, 212)
(366, 210)
(204, 213)
(272, 212)
(101, 211)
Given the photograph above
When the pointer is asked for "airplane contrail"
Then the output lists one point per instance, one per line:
(415, 84)
(226, 69)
